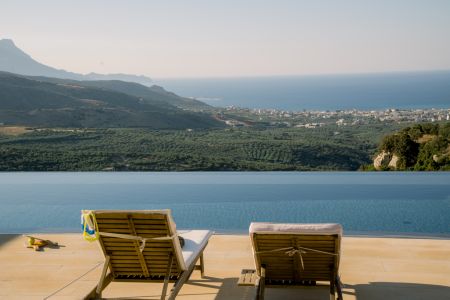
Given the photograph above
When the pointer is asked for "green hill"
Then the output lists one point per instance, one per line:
(51, 102)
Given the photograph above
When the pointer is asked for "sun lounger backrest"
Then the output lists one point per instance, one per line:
(281, 248)
(126, 257)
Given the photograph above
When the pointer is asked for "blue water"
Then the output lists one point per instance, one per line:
(370, 91)
(365, 203)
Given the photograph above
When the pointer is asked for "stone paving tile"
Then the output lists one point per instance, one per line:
(371, 268)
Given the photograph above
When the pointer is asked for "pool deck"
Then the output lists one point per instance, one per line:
(371, 268)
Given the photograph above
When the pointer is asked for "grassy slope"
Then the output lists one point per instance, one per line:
(66, 103)
(221, 149)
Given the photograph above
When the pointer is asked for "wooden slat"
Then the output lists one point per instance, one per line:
(153, 279)
(307, 265)
(151, 243)
(115, 239)
(119, 244)
(304, 245)
(155, 256)
(301, 271)
(117, 230)
(161, 226)
(137, 216)
(275, 259)
(329, 248)
(161, 222)
(112, 221)
(162, 232)
(152, 235)
(127, 264)
(140, 232)
(108, 225)
(122, 248)
(124, 215)
(288, 241)
(123, 253)
(137, 222)
(160, 251)
(301, 238)
(137, 270)
(124, 261)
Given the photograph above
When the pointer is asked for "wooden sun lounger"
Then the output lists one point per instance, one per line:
(159, 258)
(288, 255)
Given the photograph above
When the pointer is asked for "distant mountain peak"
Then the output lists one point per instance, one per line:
(7, 47)
(14, 60)
(7, 42)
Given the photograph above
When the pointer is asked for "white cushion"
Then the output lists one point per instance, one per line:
(195, 241)
(280, 228)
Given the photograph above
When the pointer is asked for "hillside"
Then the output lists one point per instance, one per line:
(422, 147)
(14, 60)
(152, 94)
(50, 102)
(230, 149)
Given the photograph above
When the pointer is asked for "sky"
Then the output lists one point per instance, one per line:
(232, 38)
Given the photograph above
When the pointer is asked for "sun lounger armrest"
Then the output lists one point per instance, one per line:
(195, 242)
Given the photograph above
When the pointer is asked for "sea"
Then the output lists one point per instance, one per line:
(365, 203)
(407, 90)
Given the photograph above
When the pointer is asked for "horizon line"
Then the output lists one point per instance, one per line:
(155, 78)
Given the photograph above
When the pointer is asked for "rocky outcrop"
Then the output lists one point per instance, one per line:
(385, 160)
(382, 160)
(393, 163)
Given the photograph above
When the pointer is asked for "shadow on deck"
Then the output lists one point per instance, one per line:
(6, 238)
(227, 289)
(398, 290)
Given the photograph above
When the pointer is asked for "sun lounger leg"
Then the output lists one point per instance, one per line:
(339, 288)
(260, 287)
(100, 286)
(166, 279)
(333, 288)
(183, 278)
(177, 286)
(202, 266)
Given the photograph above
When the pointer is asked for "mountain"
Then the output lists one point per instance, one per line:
(154, 93)
(14, 60)
(52, 102)
(141, 79)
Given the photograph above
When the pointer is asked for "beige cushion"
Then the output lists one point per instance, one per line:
(293, 228)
